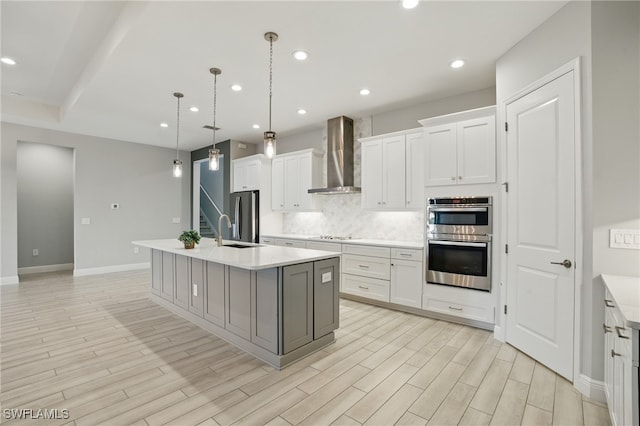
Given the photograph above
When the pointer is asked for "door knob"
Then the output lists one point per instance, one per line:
(566, 263)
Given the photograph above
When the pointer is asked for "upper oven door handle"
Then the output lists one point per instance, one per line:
(458, 209)
(457, 243)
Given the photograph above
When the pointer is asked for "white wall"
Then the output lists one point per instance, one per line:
(605, 36)
(407, 118)
(616, 136)
(45, 204)
(138, 177)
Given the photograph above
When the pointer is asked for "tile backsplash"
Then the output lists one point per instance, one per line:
(342, 215)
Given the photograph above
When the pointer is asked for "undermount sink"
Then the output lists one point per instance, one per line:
(238, 245)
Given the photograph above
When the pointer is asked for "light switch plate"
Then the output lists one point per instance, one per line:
(624, 238)
(86, 221)
(175, 220)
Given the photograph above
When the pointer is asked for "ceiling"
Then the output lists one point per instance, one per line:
(109, 68)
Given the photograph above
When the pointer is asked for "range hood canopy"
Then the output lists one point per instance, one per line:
(339, 158)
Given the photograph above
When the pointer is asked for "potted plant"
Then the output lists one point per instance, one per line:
(189, 238)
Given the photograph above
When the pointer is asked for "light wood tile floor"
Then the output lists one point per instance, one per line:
(98, 347)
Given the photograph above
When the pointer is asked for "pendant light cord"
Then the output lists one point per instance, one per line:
(270, 76)
(178, 129)
(215, 97)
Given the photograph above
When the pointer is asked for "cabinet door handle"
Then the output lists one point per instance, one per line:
(454, 308)
(459, 177)
(289, 244)
(453, 178)
(619, 331)
(404, 254)
(363, 266)
(614, 353)
(609, 303)
(606, 328)
(363, 287)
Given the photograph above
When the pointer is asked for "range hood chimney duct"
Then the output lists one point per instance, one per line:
(339, 158)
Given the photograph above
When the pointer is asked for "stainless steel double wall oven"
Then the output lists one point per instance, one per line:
(458, 244)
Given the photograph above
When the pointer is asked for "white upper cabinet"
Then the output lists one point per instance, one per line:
(460, 148)
(390, 166)
(246, 173)
(414, 149)
(277, 180)
(293, 174)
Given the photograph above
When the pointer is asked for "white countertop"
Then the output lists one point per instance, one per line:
(625, 291)
(253, 258)
(363, 241)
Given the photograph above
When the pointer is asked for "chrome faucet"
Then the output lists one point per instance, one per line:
(219, 239)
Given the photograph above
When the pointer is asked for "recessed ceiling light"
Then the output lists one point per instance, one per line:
(300, 55)
(236, 87)
(164, 125)
(365, 92)
(256, 126)
(458, 63)
(194, 109)
(7, 61)
(409, 4)
(302, 111)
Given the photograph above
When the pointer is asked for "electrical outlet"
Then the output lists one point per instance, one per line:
(86, 221)
(195, 290)
(136, 250)
(175, 220)
(35, 252)
(115, 206)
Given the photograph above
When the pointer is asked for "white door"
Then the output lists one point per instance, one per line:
(476, 141)
(541, 217)
(277, 184)
(414, 162)
(304, 182)
(291, 172)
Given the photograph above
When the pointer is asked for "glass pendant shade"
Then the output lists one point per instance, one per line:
(177, 168)
(214, 159)
(270, 144)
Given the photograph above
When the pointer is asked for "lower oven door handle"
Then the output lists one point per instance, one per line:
(458, 209)
(456, 243)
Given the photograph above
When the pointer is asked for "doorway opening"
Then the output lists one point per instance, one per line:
(45, 197)
(209, 198)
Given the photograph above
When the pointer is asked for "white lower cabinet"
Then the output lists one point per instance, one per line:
(406, 283)
(290, 243)
(472, 305)
(621, 387)
(365, 287)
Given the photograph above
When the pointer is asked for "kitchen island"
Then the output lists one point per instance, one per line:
(277, 303)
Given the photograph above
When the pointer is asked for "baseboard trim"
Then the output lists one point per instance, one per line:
(9, 280)
(498, 333)
(592, 388)
(108, 269)
(45, 268)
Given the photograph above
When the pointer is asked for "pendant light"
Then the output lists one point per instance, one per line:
(214, 154)
(270, 136)
(177, 163)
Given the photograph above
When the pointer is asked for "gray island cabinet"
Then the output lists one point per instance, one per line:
(277, 303)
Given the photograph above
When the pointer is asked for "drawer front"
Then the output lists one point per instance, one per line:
(290, 243)
(366, 250)
(267, 240)
(320, 245)
(365, 287)
(406, 254)
(463, 310)
(372, 267)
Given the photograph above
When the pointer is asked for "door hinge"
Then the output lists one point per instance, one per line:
(506, 126)
(506, 186)
(506, 248)
(505, 309)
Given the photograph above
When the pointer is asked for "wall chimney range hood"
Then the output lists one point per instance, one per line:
(339, 158)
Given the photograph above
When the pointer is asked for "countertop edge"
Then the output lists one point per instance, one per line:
(616, 286)
(195, 253)
(416, 245)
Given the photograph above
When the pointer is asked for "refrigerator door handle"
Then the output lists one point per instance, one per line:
(253, 218)
(237, 220)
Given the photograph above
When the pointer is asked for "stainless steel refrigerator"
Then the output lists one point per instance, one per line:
(245, 216)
